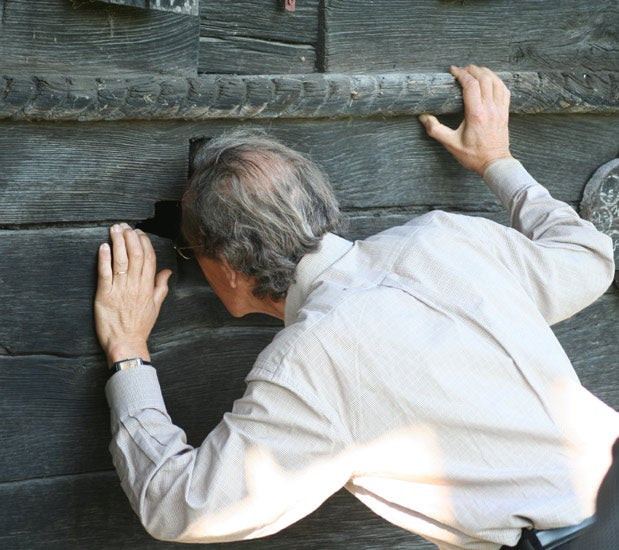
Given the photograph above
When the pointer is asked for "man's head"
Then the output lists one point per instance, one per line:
(258, 207)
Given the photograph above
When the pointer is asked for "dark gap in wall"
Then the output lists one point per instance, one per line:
(166, 221)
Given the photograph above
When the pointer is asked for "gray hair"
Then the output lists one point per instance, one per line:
(260, 206)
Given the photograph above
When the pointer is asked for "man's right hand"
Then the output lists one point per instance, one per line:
(483, 135)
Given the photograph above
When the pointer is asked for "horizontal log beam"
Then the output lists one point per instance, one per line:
(152, 97)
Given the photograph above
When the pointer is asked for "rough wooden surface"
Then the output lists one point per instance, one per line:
(64, 172)
(63, 425)
(257, 37)
(83, 98)
(427, 35)
(82, 37)
(91, 511)
(102, 172)
(261, 20)
(49, 287)
(254, 56)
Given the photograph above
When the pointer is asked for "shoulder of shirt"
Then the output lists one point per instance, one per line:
(315, 316)
(320, 309)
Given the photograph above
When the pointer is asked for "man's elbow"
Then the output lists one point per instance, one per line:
(182, 524)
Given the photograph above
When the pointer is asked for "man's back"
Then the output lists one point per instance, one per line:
(425, 348)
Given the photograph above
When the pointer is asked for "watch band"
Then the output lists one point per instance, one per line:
(128, 363)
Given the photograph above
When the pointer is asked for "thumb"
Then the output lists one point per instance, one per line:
(436, 130)
(161, 286)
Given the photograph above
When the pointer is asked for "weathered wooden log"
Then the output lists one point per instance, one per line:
(92, 173)
(201, 371)
(152, 97)
(67, 172)
(426, 35)
(91, 511)
(85, 37)
(55, 419)
(254, 56)
(257, 37)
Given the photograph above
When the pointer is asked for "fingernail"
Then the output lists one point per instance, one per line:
(116, 228)
(125, 226)
(423, 118)
(105, 247)
(139, 232)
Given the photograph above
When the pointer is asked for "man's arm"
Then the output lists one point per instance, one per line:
(271, 461)
(564, 263)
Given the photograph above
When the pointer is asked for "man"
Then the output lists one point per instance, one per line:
(417, 368)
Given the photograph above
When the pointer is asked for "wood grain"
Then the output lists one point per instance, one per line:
(70, 97)
(72, 173)
(243, 55)
(91, 511)
(384, 163)
(63, 425)
(257, 37)
(367, 36)
(99, 172)
(58, 36)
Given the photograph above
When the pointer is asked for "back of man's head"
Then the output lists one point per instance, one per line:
(260, 206)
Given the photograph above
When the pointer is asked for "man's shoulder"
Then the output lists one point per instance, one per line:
(316, 331)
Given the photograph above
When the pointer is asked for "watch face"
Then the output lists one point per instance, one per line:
(128, 363)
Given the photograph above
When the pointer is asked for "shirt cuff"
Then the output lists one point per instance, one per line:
(134, 389)
(506, 177)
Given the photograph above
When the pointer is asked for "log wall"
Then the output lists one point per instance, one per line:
(99, 105)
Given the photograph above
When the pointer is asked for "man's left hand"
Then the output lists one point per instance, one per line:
(129, 294)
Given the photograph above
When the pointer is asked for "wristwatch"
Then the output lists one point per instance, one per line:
(127, 364)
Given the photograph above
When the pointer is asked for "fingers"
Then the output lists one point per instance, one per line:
(441, 133)
(135, 253)
(161, 286)
(120, 263)
(105, 267)
(485, 79)
(471, 90)
(149, 265)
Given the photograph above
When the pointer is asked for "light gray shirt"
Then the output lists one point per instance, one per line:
(417, 369)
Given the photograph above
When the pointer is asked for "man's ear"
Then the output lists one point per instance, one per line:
(232, 276)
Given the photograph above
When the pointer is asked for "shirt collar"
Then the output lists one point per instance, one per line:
(330, 250)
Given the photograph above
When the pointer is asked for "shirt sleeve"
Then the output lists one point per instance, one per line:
(271, 461)
(564, 263)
